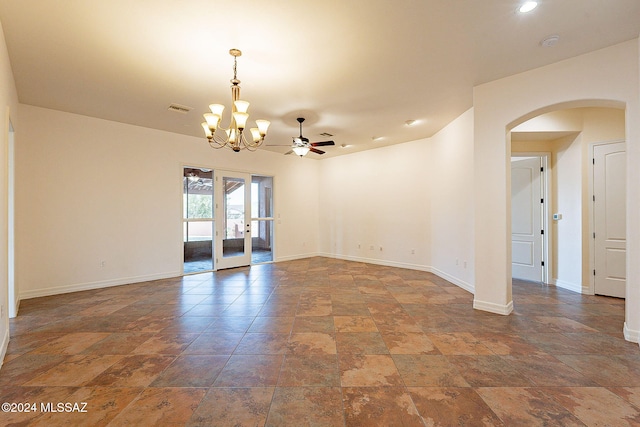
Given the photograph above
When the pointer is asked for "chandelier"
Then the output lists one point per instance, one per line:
(233, 136)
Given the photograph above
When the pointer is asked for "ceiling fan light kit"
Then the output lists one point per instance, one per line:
(234, 135)
(301, 145)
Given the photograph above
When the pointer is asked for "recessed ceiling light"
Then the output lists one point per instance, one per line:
(345, 145)
(376, 138)
(411, 122)
(528, 6)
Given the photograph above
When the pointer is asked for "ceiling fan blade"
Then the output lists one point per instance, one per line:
(315, 150)
(322, 143)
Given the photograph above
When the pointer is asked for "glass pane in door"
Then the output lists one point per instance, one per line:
(261, 248)
(262, 219)
(197, 219)
(234, 217)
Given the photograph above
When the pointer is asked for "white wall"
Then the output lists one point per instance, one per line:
(451, 166)
(415, 197)
(8, 111)
(91, 190)
(378, 198)
(606, 77)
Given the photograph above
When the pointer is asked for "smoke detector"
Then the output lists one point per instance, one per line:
(550, 41)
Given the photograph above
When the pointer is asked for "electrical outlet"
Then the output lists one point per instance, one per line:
(413, 251)
(380, 248)
(102, 263)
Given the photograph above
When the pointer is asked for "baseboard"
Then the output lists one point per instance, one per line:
(296, 257)
(493, 307)
(631, 335)
(5, 345)
(574, 287)
(95, 285)
(458, 282)
(378, 262)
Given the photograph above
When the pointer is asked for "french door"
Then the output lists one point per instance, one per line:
(233, 226)
(227, 219)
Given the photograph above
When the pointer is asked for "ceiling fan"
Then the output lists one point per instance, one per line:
(302, 146)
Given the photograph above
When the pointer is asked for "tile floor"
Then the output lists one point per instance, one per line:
(319, 342)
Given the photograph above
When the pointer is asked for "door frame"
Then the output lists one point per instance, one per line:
(547, 250)
(592, 217)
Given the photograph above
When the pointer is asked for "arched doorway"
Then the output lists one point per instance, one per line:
(568, 137)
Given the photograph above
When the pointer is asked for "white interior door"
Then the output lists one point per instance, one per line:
(526, 219)
(233, 224)
(609, 190)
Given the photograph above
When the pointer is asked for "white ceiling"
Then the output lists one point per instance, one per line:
(356, 69)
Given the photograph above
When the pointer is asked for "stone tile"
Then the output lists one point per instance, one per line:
(37, 395)
(360, 343)
(306, 343)
(165, 343)
(371, 370)
(231, 324)
(519, 406)
(313, 324)
(191, 370)
(210, 343)
(233, 407)
(607, 371)
(133, 371)
(118, 343)
(27, 367)
(409, 343)
(75, 371)
(305, 309)
(507, 344)
(161, 406)
(489, 371)
(354, 324)
(379, 406)
(321, 406)
(250, 371)
(428, 371)
(396, 323)
(629, 394)
(103, 404)
(282, 325)
(596, 406)
(310, 370)
(548, 371)
(459, 343)
(453, 406)
(72, 343)
(267, 343)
